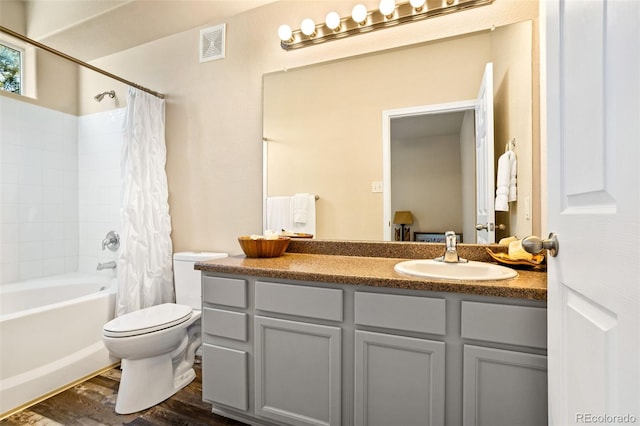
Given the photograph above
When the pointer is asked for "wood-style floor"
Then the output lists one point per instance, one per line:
(92, 403)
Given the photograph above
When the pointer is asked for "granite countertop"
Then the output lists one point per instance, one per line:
(372, 271)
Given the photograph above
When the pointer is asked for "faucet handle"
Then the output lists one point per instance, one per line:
(111, 241)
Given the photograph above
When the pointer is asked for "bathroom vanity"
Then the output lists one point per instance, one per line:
(309, 338)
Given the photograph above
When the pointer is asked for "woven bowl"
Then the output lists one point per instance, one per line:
(263, 247)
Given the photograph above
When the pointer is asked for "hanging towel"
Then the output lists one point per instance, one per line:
(278, 213)
(506, 181)
(309, 226)
(512, 181)
(300, 208)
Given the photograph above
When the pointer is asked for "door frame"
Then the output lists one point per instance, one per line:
(387, 115)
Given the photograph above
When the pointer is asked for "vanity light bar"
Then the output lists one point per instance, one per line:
(374, 20)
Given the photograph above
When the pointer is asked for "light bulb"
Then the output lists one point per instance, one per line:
(387, 7)
(308, 27)
(332, 21)
(359, 13)
(417, 4)
(284, 32)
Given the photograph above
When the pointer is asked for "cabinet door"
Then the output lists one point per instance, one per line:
(224, 376)
(504, 388)
(297, 372)
(398, 380)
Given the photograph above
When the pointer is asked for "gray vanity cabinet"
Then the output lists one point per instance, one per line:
(504, 387)
(224, 333)
(297, 372)
(399, 379)
(298, 361)
(286, 352)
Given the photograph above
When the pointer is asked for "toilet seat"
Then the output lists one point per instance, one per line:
(147, 320)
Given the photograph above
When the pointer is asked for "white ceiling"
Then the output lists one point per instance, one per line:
(426, 125)
(89, 29)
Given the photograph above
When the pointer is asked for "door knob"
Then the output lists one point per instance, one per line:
(535, 245)
(487, 226)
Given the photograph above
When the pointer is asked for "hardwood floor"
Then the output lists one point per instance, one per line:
(92, 403)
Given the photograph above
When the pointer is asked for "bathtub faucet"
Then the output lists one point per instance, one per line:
(107, 265)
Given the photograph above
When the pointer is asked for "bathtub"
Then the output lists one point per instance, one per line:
(51, 335)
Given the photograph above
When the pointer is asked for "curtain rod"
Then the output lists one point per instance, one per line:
(78, 61)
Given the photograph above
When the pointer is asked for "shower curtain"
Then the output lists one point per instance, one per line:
(145, 276)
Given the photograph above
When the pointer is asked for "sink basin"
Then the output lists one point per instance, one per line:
(472, 271)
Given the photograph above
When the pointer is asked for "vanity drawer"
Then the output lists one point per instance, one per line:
(224, 291)
(312, 302)
(224, 323)
(225, 377)
(514, 325)
(410, 313)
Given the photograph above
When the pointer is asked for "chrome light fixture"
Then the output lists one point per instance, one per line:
(387, 15)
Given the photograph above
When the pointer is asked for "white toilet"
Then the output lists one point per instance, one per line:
(157, 345)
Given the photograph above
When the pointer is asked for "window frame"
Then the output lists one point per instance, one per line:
(22, 51)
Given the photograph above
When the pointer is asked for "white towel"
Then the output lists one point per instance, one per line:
(309, 226)
(512, 181)
(506, 181)
(278, 214)
(300, 208)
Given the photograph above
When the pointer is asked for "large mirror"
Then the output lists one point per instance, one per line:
(323, 128)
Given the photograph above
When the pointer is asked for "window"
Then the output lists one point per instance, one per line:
(11, 65)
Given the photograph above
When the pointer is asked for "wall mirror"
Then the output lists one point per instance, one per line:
(323, 128)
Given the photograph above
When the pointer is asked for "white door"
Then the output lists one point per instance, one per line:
(593, 139)
(485, 188)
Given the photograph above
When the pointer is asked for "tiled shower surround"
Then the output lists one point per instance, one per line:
(60, 189)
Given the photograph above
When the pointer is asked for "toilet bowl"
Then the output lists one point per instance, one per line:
(157, 345)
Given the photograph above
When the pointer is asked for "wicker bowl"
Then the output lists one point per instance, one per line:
(263, 247)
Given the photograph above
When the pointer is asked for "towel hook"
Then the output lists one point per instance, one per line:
(511, 145)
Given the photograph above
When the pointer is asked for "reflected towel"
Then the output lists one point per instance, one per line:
(278, 213)
(309, 227)
(512, 178)
(506, 181)
(300, 208)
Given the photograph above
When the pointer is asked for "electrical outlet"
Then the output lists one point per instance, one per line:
(376, 186)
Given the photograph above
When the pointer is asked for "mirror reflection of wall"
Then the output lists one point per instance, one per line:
(429, 155)
(323, 122)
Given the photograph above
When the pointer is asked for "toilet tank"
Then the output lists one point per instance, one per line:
(187, 280)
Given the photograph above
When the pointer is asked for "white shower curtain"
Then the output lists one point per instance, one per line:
(145, 276)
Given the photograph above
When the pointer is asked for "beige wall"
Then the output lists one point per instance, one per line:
(214, 110)
(324, 123)
(51, 81)
(331, 113)
(514, 119)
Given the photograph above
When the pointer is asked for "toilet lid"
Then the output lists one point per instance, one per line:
(147, 320)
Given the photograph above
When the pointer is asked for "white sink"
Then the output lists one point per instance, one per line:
(471, 271)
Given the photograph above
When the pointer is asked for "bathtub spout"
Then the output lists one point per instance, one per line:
(107, 265)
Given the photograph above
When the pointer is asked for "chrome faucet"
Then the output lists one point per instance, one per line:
(107, 265)
(111, 241)
(451, 253)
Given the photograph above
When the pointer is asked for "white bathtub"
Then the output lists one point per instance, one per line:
(51, 335)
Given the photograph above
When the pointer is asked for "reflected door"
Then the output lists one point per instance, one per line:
(485, 211)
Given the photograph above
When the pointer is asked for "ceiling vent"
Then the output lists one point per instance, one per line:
(212, 43)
